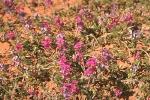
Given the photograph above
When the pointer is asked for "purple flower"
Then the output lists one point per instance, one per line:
(134, 68)
(69, 89)
(45, 26)
(118, 92)
(135, 32)
(106, 55)
(114, 8)
(46, 42)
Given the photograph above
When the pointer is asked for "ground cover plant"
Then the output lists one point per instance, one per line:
(74, 50)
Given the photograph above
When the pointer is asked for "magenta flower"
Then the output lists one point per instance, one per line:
(60, 42)
(79, 23)
(91, 66)
(65, 69)
(90, 71)
(10, 35)
(91, 62)
(59, 22)
(65, 66)
(19, 47)
(78, 46)
(69, 89)
(46, 42)
(118, 92)
(62, 59)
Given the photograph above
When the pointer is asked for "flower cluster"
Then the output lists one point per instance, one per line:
(10, 35)
(91, 64)
(106, 56)
(78, 56)
(79, 22)
(65, 66)
(99, 49)
(118, 92)
(69, 89)
(46, 42)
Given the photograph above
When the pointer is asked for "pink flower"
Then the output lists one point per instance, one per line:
(60, 42)
(89, 71)
(48, 2)
(8, 2)
(10, 35)
(114, 22)
(69, 89)
(59, 22)
(65, 66)
(148, 98)
(127, 17)
(137, 55)
(46, 42)
(80, 23)
(78, 46)
(19, 47)
(78, 56)
(62, 59)
(33, 91)
(65, 69)
(118, 92)
(91, 62)
(81, 11)
(1, 67)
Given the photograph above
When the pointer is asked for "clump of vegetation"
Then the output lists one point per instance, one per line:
(96, 50)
